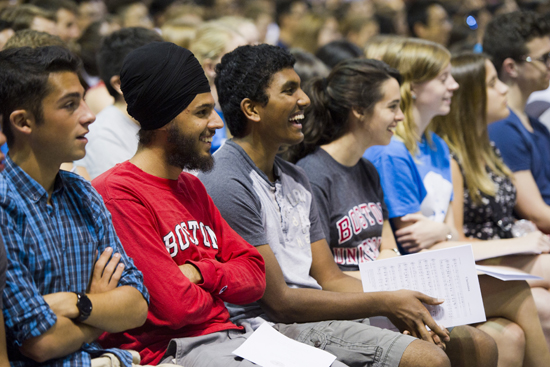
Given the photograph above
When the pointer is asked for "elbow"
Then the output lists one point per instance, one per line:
(39, 351)
(139, 311)
(136, 317)
(281, 311)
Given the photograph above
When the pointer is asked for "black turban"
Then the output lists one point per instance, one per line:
(159, 81)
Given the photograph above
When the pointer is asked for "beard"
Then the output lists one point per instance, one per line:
(182, 152)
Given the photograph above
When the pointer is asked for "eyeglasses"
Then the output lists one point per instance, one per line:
(545, 59)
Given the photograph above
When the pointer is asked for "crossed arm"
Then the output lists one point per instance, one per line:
(115, 309)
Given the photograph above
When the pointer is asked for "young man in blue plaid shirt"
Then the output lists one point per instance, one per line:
(68, 279)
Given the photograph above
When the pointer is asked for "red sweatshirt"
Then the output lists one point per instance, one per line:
(165, 223)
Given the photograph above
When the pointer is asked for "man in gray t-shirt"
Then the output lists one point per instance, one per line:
(269, 203)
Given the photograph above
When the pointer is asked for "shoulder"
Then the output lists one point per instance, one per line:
(317, 168)
(439, 142)
(292, 170)
(115, 182)
(368, 167)
(230, 163)
(395, 149)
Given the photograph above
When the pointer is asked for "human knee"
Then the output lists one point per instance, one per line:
(420, 353)
(512, 337)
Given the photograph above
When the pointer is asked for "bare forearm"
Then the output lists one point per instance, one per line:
(309, 305)
(121, 309)
(62, 339)
(541, 218)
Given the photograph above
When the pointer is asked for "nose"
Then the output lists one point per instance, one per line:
(303, 99)
(452, 85)
(215, 121)
(87, 116)
(399, 116)
(502, 87)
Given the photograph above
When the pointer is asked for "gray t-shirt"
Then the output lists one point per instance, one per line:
(282, 214)
(351, 207)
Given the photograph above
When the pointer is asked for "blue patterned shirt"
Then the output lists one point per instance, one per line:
(50, 249)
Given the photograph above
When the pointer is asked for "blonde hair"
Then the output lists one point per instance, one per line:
(461, 127)
(179, 32)
(211, 40)
(418, 61)
(378, 45)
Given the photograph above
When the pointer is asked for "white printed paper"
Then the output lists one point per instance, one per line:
(268, 348)
(505, 273)
(448, 274)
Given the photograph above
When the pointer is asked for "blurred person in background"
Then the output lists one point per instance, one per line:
(66, 12)
(213, 40)
(360, 29)
(5, 32)
(430, 21)
(131, 13)
(97, 96)
(334, 52)
(289, 15)
(308, 66)
(519, 46)
(90, 11)
(30, 17)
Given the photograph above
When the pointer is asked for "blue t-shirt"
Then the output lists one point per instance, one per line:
(220, 136)
(523, 150)
(420, 184)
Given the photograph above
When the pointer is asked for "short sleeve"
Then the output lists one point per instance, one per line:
(240, 207)
(316, 232)
(401, 183)
(322, 201)
(512, 144)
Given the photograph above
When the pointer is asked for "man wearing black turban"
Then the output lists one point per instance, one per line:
(192, 262)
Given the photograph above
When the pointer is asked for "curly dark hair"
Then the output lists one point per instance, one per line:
(507, 34)
(247, 72)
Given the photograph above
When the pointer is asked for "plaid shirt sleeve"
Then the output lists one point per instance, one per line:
(26, 313)
(108, 238)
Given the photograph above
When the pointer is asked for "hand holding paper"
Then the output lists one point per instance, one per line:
(449, 274)
(408, 313)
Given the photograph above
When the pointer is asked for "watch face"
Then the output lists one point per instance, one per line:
(84, 306)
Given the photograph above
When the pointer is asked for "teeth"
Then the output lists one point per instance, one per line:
(297, 117)
(206, 140)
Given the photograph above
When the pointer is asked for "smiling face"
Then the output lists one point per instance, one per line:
(497, 107)
(280, 120)
(189, 135)
(433, 98)
(60, 136)
(385, 115)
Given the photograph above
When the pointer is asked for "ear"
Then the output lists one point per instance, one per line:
(22, 121)
(250, 110)
(509, 68)
(115, 83)
(209, 68)
(413, 88)
(419, 29)
(356, 113)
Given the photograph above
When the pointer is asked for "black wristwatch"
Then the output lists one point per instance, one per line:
(84, 306)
